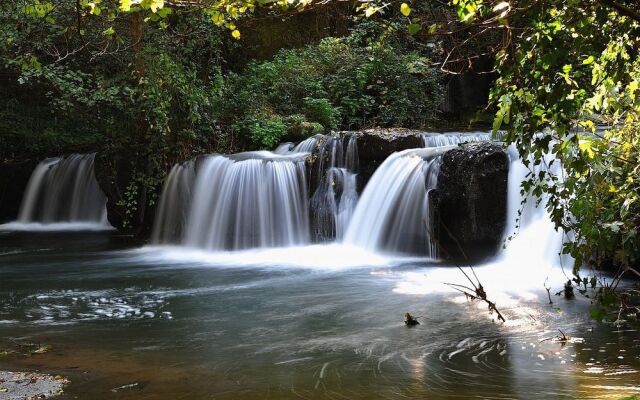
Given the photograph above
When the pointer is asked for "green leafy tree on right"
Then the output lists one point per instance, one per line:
(569, 74)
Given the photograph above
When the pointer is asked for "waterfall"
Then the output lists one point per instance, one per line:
(449, 139)
(393, 214)
(306, 146)
(175, 203)
(284, 148)
(530, 223)
(241, 201)
(64, 189)
(335, 198)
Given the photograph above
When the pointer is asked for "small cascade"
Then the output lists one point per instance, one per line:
(393, 214)
(64, 189)
(284, 148)
(335, 197)
(531, 222)
(306, 146)
(175, 203)
(241, 201)
(451, 139)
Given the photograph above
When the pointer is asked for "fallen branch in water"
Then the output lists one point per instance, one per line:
(476, 292)
(410, 320)
(562, 338)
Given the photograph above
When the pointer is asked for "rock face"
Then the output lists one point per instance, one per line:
(375, 145)
(470, 199)
(127, 206)
(14, 177)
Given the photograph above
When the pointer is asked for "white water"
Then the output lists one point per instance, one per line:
(450, 139)
(321, 257)
(256, 202)
(335, 198)
(306, 146)
(63, 190)
(247, 200)
(175, 203)
(531, 259)
(534, 226)
(55, 226)
(393, 213)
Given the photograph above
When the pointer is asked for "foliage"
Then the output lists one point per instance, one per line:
(264, 130)
(347, 83)
(322, 112)
(568, 90)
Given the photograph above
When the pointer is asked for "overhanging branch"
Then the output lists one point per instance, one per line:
(622, 9)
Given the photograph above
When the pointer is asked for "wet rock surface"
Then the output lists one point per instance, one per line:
(470, 199)
(375, 145)
(30, 385)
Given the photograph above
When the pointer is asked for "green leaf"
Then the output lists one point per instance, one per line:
(414, 28)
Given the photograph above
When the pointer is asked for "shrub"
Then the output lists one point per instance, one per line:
(322, 112)
(340, 83)
(263, 130)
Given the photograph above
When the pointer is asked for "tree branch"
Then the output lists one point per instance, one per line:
(622, 9)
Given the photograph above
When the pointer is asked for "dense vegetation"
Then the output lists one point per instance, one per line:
(149, 85)
(363, 80)
(153, 82)
(568, 90)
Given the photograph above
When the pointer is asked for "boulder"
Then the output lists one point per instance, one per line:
(375, 145)
(14, 177)
(470, 199)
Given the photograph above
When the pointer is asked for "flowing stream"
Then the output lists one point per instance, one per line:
(237, 299)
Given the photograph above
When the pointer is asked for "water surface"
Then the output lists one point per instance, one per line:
(202, 326)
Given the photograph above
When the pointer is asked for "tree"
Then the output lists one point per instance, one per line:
(569, 73)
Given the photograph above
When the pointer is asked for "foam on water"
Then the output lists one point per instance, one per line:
(56, 226)
(327, 257)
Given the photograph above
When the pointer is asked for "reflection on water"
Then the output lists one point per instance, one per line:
(210, 327)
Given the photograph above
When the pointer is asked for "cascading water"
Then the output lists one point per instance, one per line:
(260, 199)
(531, 222)
(242, 201)
(64, 189)
(449, 139)
(393, 214)
(335, 198)
(175, 204)
(306, 146)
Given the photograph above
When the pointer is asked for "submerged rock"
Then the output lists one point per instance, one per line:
(30, 385)
(470, 199)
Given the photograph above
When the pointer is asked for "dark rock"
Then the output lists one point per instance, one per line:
(470, 200)
(375, 145)
(128, 206)
(14, 177)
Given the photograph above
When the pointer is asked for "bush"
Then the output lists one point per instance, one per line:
(264, 130)
(339, 83)
(322, 112)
